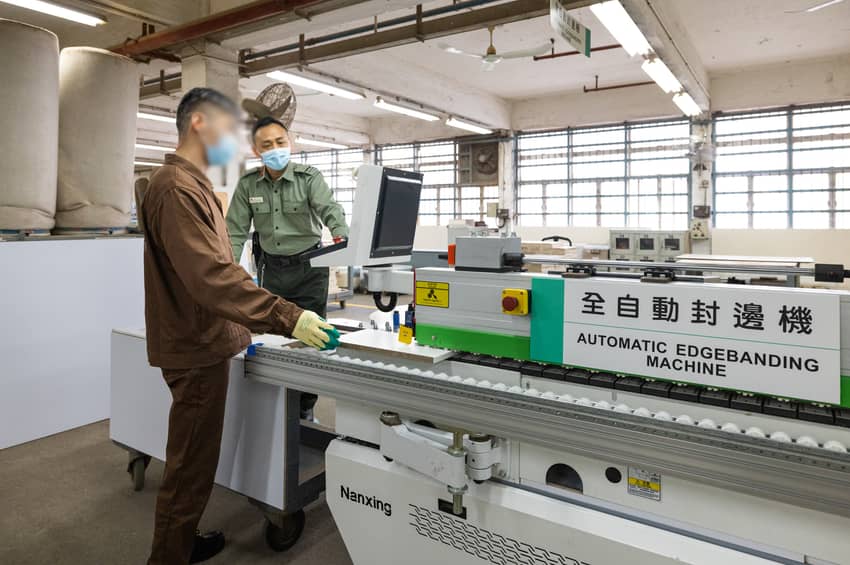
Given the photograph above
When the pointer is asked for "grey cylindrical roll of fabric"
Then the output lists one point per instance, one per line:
(98, 101)
(29, 89)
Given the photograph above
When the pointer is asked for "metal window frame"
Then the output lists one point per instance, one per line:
(571, 151)
(790, 139)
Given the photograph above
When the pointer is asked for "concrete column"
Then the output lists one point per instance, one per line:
(210, 65)
(507, 176)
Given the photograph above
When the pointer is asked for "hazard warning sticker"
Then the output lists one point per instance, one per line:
(646, 484)
(434, 294)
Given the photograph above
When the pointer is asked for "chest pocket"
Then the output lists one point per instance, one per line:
(261, 207)
(296, 207)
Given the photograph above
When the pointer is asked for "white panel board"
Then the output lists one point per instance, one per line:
(59, 300)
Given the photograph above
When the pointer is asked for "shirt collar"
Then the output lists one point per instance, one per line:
(288, 173)
(189, 167)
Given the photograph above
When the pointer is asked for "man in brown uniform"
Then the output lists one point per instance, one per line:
(199, 307)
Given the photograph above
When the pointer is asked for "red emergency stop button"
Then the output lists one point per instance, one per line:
(509, 303)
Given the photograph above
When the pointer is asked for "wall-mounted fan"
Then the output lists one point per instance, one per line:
(491, 57)
(276, 100)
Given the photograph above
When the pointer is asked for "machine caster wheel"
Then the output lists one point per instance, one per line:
(282, 538)
(388, 459)
(137, 469)
(342, 304)
(389, 306)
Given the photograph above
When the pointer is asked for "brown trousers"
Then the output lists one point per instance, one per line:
(191, 457)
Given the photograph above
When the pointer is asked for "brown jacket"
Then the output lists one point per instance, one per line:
(198, 302)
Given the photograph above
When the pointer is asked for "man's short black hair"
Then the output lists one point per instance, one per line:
(263, 122)
(200, 96)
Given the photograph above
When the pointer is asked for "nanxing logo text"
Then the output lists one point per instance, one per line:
(367, 501)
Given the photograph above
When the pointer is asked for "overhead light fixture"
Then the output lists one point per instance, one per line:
(619, 24)
(686, 104)
(156, 117)
(299, 80)
(384, 105)
(658, 71)
(153, 147)
(823, 5)
(455, 123)
(319, 143)
(147, 164)
(57, 11)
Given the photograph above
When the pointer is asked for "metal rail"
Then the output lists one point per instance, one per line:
(644, 265)
(806, 477)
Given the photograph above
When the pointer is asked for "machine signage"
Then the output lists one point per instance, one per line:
(758, 339)
(434, 294)
(568, 27)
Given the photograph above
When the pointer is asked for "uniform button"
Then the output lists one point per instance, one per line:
(276, 210)
(275, 227)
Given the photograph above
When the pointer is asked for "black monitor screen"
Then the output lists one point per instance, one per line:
(398, 209)
(647, 243)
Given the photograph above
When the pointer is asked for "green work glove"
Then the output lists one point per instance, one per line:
(311, 329)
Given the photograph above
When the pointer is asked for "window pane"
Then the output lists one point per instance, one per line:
(731, 221)
(770, 221)
(731, 202)
(811, 220)
(770, 202)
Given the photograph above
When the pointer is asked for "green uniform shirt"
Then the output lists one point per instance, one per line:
(288, 213)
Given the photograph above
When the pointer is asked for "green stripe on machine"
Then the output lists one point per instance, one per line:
(547, 320)
(499, 345)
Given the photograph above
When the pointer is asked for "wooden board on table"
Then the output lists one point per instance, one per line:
(387, 343)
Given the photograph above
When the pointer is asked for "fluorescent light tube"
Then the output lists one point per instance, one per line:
(156, 117)
(147, 163)
(658, 71)
(686, 104)
(299, 80)
(460, 124)
(619, 24)
(384, 105)
(824, 5)
(153, 147)
(57, 11)
(319, 143)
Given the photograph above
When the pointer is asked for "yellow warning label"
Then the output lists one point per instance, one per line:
(434, 294)
(405, 335)
(643, 483)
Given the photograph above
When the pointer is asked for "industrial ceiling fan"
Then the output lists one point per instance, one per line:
(491, 57)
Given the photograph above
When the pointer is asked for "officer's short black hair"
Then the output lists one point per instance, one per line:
(264, 122)
(198, 97)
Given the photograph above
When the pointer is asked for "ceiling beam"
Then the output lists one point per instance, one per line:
(218, 23)
(426, 29)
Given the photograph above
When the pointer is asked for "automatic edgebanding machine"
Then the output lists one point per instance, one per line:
(593, 417)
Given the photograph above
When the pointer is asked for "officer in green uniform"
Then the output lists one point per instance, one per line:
(288, 203)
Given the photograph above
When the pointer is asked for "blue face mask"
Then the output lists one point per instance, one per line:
(222, 151)
(276, 159)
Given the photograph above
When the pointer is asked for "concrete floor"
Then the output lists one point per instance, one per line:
(67, 500)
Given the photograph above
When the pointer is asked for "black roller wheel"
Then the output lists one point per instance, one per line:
(137, 472)
(390, 305)
(282, 538)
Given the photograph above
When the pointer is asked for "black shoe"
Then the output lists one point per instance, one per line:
(207, 546)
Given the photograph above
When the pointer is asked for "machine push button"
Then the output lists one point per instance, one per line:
(515, 301)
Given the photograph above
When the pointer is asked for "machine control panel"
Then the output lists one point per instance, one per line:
(515, 301)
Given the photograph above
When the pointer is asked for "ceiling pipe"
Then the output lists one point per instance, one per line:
(421, 30)
(210, 25)
(554, 55)
(451, 8)
(598, 88)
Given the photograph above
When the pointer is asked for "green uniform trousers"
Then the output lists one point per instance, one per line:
(304, 285)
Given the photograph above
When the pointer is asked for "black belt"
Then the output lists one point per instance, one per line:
(288, 260)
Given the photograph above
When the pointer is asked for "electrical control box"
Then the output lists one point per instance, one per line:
(648, 245)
